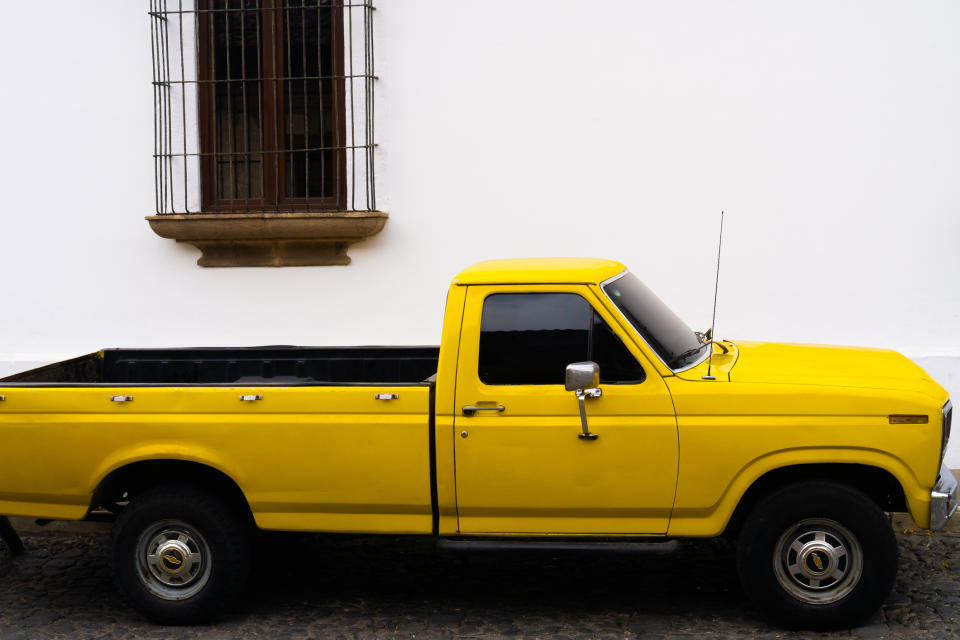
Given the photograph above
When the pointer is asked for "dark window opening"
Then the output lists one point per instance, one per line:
(617, 364)
(530, 338)
(271, 105)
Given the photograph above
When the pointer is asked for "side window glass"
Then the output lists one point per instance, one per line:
(530, 338)
(617, 364)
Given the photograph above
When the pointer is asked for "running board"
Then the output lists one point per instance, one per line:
(655, 548)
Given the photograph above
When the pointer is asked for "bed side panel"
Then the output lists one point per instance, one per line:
(307, 458)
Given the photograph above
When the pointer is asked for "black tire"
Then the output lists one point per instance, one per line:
(6, 558)
(180, 555)
(817, 555)
(10, 536)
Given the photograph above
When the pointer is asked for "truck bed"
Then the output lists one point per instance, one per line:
(317, 438)
(238, 366)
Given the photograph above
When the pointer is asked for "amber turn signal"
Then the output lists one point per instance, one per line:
(909, 419)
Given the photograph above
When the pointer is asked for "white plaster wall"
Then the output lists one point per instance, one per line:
(826, 130)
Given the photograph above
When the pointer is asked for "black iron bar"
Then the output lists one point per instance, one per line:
(333, 77)
(167, 168)
(156, 88)
(369, 79)
(196, 70)
(333, 5)
(165, 42)
(231, 125)
(289, 172)
(243, 99)
(339, 156)
(306, 101)
(183, 109)
(240, 153)
(277, 159)
(158, 113)
(259, 84)
(353, 135)
(216, 188)
(159, 119)
(323, 176)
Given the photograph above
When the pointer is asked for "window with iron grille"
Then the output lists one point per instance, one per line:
(264, 107)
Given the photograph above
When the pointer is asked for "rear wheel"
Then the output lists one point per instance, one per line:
(180, 554)
(817, 555)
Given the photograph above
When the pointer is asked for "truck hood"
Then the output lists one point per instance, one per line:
(768, 362)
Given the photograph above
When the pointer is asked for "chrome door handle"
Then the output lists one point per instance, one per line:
(121, 398)
(251, 398)
(471, 409)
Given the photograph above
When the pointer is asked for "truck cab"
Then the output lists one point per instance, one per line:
(520, 466)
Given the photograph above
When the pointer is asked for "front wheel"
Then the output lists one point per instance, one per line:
(180, 555)
(817, 555)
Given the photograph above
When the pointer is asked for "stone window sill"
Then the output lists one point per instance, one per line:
(270, 239)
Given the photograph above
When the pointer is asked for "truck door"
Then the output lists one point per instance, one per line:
(520, 466)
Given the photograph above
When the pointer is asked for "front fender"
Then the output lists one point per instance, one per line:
(711, 519)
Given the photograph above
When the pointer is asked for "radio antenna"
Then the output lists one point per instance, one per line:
(716, 287)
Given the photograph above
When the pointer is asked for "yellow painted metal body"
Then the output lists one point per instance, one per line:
(306, 458)
(675, 453)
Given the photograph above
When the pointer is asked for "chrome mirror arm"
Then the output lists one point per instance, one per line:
(582, 395)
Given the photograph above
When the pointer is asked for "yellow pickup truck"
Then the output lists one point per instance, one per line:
(564, 401)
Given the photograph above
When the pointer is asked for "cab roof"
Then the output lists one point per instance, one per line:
(540, 271)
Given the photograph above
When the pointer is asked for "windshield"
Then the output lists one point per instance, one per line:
(674, 341)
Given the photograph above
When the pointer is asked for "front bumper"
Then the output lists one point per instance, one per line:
(943, 499)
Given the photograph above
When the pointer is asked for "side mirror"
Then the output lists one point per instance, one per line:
(584, 379)
(582, 375)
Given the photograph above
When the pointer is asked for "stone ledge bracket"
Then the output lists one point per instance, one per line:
(270, 239)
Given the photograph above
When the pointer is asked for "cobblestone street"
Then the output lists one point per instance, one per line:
(325, 587)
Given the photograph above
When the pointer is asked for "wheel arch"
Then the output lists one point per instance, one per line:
(127, 481)
(879, 484)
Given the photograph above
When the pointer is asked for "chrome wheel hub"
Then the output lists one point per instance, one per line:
(818, 561)
(173, 560)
